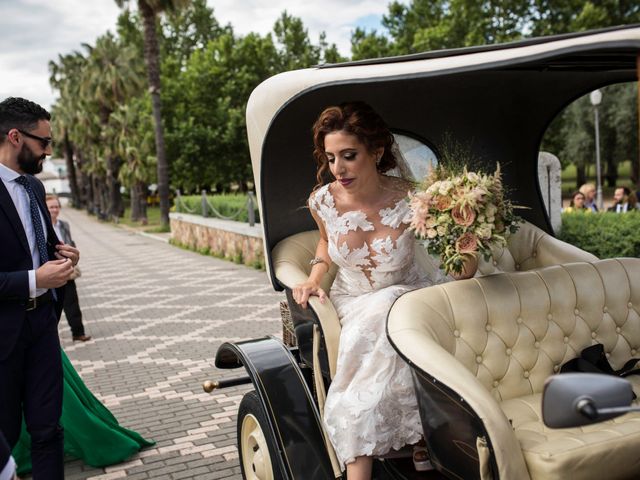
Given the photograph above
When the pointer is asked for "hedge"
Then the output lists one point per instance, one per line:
(227, 204)
(606, 234)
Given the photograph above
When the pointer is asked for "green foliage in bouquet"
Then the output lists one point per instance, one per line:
(459, 213)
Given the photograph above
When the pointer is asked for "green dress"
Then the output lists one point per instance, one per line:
(91, 432)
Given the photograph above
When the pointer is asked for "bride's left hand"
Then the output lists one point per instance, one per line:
(303, 291)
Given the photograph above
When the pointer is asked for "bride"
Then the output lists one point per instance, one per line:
(363, 217)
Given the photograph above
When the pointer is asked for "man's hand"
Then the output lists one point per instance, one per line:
(54, 273)
(67, 251)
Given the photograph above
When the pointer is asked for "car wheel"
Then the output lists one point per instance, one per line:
(256, 446)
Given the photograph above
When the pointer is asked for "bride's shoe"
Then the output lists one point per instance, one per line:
(421, 460)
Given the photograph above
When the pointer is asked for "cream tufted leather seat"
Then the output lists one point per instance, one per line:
(493, 341)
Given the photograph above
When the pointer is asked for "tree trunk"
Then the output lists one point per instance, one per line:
(142, 201)
(152, 58)
(581, 176)
(90, 195)
(82, 179)
(134, 204)
(97, 196)
(139, 202)
(104, 199)
(71, 171)
(115, 205)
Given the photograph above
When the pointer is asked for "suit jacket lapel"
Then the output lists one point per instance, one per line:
(6, 204)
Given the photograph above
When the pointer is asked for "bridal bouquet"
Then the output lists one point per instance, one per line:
(461, 214)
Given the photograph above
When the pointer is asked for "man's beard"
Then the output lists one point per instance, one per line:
(28, 162)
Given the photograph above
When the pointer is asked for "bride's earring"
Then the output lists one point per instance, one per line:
(378, 160)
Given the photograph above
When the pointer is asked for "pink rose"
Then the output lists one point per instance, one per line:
(442, 202)
(463, 215)
(467, 243)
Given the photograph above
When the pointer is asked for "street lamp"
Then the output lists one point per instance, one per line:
(596, 98)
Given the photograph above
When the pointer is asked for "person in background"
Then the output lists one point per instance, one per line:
(71, 304)
(577, 203)
(589, 192)
(623, 201)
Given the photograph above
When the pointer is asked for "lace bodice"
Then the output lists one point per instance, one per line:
(372, 252)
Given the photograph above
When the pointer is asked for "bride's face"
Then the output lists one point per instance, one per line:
(349, 160)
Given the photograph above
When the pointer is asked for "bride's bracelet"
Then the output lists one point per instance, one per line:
(318, 260)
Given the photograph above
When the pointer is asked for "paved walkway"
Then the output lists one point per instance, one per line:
(157, 315)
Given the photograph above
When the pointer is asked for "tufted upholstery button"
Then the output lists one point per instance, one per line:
(556, 368)
(549, 317)
(508, 351)
(496, 383)
(618, 329)
(534, 254)
(633, 351)
(478, 359)
(629, 304)
(519, 320)
(526, 374)
(488, 328)
(517, 266)
(605, 309)
(566, 340)
(495, 263)
(607, 354)
(456, 333)
(576, 311)
(537, 344)
(593, 334)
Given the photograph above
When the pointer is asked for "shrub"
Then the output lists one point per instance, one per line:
(228, 205)
(606, 234)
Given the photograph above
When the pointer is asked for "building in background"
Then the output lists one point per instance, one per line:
(54, 176)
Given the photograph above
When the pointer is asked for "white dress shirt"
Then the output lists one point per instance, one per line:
(22, 203)
(8, 470)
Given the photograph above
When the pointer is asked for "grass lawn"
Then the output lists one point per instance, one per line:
(153, 216)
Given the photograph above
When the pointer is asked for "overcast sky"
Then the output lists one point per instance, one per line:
(37, 31)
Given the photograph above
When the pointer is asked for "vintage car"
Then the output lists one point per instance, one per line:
(479, 362)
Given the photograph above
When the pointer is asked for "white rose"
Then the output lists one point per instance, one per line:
(484, 231)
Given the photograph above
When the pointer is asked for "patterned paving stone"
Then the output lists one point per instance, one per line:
(157, 315)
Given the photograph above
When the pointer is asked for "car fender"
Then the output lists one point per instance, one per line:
(292, 413)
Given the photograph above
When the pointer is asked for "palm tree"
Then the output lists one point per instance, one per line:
(149, 10)
(110, 78)
(63, 77)
(133, 140)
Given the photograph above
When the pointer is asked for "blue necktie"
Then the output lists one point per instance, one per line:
(35, 220)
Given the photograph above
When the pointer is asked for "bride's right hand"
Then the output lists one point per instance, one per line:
(303, 291)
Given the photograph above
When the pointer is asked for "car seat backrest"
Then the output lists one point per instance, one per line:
(529, 248)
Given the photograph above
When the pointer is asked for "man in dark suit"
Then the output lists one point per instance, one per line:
(33, 267)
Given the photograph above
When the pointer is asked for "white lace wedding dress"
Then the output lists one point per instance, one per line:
(371, 405)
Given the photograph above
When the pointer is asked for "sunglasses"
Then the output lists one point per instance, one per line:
(44, 141)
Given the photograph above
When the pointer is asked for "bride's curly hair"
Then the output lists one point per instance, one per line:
(359, 119)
